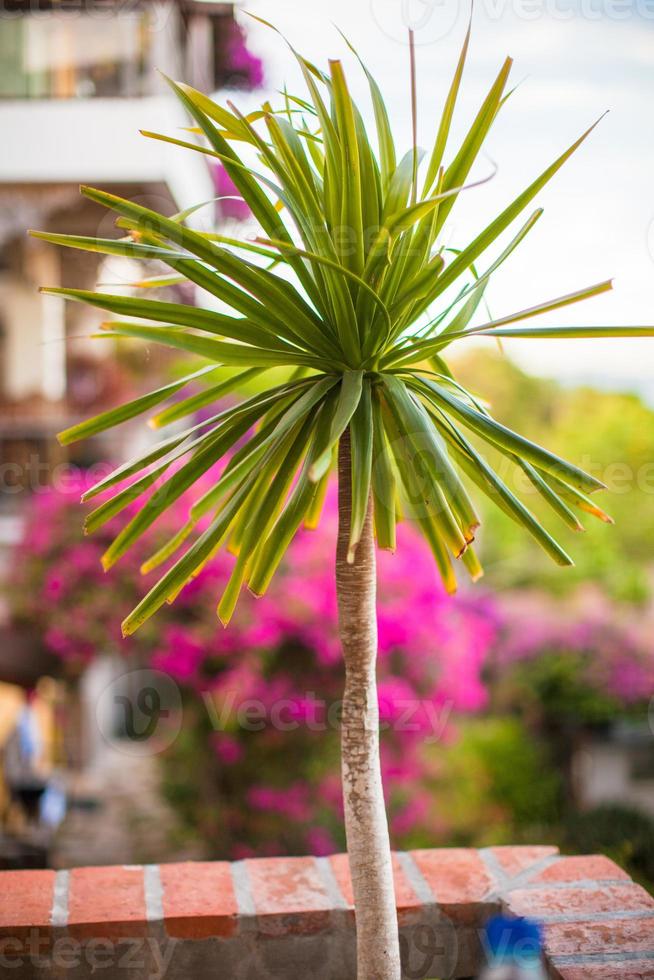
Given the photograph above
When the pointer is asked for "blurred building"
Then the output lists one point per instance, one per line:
(77, 82)
(78, 79)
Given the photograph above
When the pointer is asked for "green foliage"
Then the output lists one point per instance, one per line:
(616, 447)
(556, 688)
(497, 785)
(624, 833)
(361, 294)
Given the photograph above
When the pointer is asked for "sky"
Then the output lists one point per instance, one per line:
(574, 59)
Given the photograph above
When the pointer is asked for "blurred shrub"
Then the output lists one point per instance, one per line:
(271, 784)
(624, 833)
(611, 435)
(577, 663)
(539, 668)
(498, 784)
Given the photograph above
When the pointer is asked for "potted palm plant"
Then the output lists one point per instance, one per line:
(349, 289)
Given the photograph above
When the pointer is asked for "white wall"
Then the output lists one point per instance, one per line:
(98, 141)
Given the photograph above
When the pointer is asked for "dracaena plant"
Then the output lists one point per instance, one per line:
(349, 287)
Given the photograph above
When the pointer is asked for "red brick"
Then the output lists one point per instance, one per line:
(406, 899)
(516, 860)
(583, 902)
(199, 899)
(622, 970)
(458, 879)
(594, 867)
(25, 905)
(292, 898)
(289, 895)
(594, 938)
(25, 899)
(107, 903)
(456, 875)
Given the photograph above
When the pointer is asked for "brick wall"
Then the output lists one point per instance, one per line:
(292, 918)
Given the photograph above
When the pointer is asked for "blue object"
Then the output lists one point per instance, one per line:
(513, 941)
(28, 735)
(52, 807)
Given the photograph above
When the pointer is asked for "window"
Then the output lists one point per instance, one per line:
(73, 55)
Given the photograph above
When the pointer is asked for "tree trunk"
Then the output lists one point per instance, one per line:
(368, 844)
